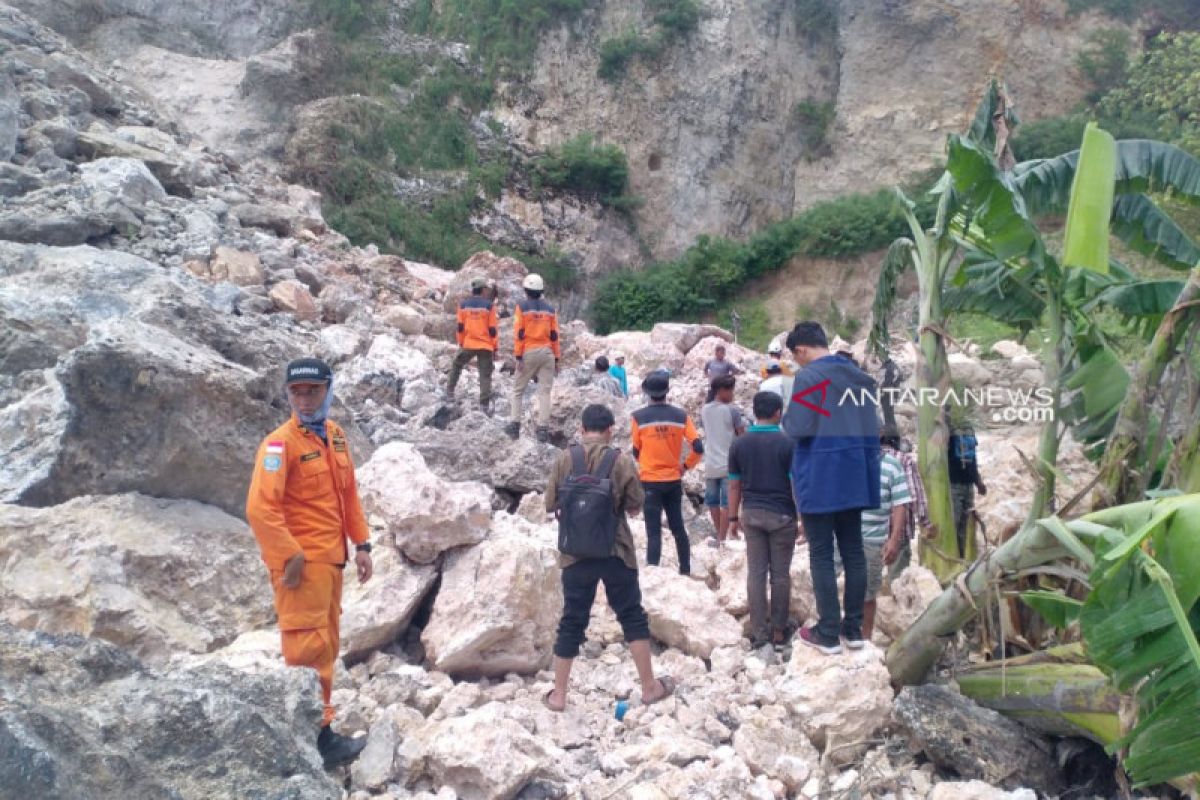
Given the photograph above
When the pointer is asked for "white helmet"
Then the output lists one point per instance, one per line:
(534, 283)
(775, 349)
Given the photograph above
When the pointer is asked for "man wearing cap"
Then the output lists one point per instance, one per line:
(478, 337)
(536, 346)
(778, 381)
(617, 370)
(658, 433)
(304, 510)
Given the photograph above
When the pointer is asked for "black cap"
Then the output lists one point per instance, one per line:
(308, 370)
(657, 384)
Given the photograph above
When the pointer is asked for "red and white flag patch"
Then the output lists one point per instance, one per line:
(274, 447)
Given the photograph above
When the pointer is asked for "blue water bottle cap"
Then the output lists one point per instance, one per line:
(622, 707)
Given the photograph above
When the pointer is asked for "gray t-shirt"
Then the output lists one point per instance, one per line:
(715, 368)
(721, 423)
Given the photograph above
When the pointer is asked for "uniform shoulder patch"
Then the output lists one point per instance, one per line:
(272, 463)
(275, 446)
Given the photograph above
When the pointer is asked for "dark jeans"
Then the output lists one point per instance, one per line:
(487, 363)
(668, 496)
(962, 501)
(579, 592)
(821, 530)
(770, 544)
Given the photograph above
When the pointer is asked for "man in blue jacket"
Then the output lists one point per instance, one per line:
(835, 475)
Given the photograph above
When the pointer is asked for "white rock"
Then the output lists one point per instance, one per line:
(968, 370)
(336, 343)
(424, 514)
(977, 790)
(498, 606)
(482, 755)
(838, 700)
(1007, 348)
(127, 179)
(776, 750)
(685, 614)
(154, 576)
(912, 592)
(375, 613)
(374, 766)
(293, 296)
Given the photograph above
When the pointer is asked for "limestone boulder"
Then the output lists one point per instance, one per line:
(382, 373)
(499, 603)
(686, 614)
(154, 576)
(126, 179)
(683, 337)
(239, 267)
(727, 569)
(837, 700)
(968, 370)
(424, 514)
(293, 296)
(771, 747)
(911, 593)
(481, 755)
(83, 718)
(474, 447)
(503, 272)
(375, 613)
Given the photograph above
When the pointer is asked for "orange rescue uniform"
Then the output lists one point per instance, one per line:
(478, 324)
(303, 499)
(535, 326)
(658, 433)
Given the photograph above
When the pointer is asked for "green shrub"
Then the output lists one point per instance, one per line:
(615, 54)
(675, 18)
(1172, 15)
(818, 18)
(1163, 85)
(814, 118)
(755, 330)
(585, 168)
(1104, 62)
(1047, 138)
(713, 270)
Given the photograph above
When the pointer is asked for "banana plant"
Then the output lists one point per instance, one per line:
(1139, 625)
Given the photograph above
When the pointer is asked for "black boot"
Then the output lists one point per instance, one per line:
(543, 434)
(336, 749)
(513, 429)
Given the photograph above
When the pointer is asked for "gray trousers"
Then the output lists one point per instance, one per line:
(540, 364)
(770, 544)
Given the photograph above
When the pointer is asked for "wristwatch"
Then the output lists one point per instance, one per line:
(365, 547)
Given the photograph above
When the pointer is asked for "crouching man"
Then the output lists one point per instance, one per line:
(592, 487)
(303, 508)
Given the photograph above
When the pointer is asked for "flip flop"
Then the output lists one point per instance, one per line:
(668, 684)
(546, 703)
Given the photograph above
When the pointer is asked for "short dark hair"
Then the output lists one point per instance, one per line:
(889, 435)
(767, 405)
(807, 334)
(597, 418)
(723, 382)
(601, 363)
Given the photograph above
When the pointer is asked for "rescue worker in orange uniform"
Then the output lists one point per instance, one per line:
(659, 432)
(303, 507)
(536, 346)
(478, 337)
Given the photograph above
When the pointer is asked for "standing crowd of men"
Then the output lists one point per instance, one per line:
(808, 467)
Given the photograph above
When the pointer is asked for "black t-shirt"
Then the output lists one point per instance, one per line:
(762, 461)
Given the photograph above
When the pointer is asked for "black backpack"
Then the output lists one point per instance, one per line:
(587, 521)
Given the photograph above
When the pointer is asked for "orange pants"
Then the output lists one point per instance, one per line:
(308, 622)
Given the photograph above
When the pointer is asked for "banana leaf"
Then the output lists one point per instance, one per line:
(898, 259)
(1145, 228)
(1086, 239)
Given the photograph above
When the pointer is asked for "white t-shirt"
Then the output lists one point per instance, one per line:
(780, 385)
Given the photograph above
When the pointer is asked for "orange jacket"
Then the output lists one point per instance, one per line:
(535, 325)
(303, 496)
(658, 432)
(478, 324)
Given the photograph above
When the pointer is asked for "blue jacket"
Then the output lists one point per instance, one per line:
(619, 373)
(835, 465)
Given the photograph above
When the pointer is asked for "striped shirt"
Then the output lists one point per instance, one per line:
(893, 491)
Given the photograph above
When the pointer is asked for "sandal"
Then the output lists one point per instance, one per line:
(547, 704)
(668, 684)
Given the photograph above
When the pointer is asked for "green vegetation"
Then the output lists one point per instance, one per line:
(755, 330)
(814, 118)
(588, 169)
(715, 268)
(502, 33)
(1167, 14)
(1105, 61)
(430, 136)
(1163, 87)
(819, 18)
(673, 20)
